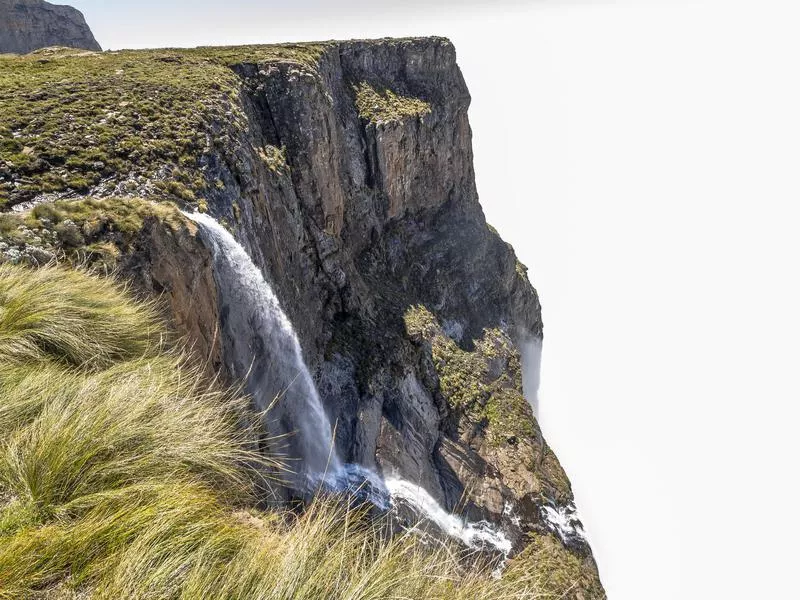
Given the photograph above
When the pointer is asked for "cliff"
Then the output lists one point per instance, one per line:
(345, 170)
(27, 25)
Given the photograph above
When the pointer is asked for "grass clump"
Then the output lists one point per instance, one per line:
(58, 315)
(382, 105)
(125, 474)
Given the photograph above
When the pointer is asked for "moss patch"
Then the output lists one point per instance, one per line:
(485, 384)
(382, 105)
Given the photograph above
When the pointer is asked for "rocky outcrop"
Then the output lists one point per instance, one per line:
(150, 246)
(345, 170)
(27, 25)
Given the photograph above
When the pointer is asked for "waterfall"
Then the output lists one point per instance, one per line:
(474, 535)
(565, 522)
(262, 349)
(531, 355)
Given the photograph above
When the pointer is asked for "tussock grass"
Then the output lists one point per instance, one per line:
(124, 474)
(64, 316)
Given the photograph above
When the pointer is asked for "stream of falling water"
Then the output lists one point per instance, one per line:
(261, 348)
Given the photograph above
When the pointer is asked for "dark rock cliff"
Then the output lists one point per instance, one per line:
(373, 217)
(27, 25)
(345, 169)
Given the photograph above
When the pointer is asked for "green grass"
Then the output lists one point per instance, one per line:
(123, 215)
(124, 473)
(64, 316)
(142, 122)
(380, 105)
(70, 120)
(92, 232)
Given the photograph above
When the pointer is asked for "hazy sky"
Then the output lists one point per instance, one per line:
(643, 158)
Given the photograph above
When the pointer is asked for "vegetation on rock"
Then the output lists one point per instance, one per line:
(567, 575)
(384, 106)
(485, 384)
(71, 122)
(86, 231)
(274, 158)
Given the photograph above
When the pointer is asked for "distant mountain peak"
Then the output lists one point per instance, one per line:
(27, 25)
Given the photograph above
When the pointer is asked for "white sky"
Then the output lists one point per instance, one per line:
(643, 159)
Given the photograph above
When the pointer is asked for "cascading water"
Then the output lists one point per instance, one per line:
(474, 535)
(564, 522)
(262, 349)
(531, 354)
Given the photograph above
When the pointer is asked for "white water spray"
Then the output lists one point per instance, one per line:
(565, 522)
(531, 355)
(474, 535)
(262, 349)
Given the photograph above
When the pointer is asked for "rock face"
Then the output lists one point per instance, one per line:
(345, 170)
(371, 224)
(27, 25)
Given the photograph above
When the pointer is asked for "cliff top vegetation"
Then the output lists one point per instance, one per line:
(73, 121)
(384, 106)
(90, 232)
